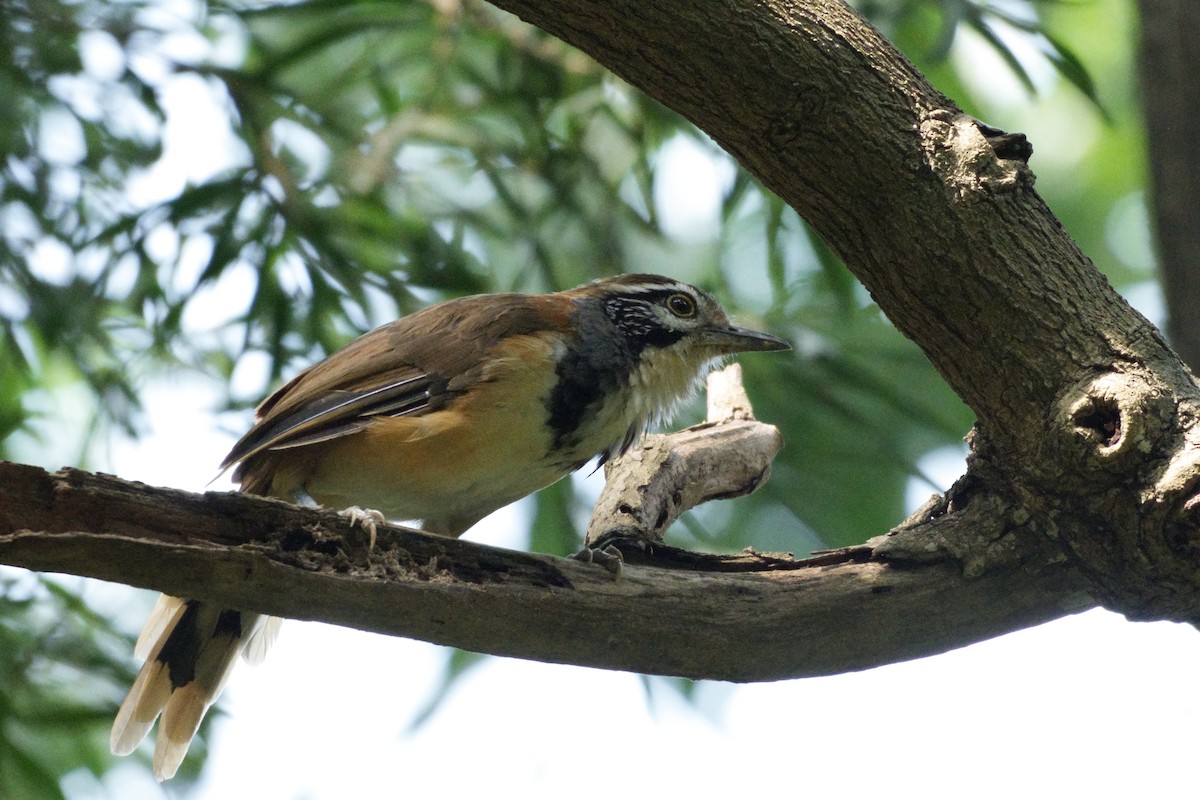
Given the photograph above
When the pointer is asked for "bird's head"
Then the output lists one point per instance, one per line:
(652, 312)
(638, 346)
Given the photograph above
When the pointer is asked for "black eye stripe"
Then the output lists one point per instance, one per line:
(664, 298)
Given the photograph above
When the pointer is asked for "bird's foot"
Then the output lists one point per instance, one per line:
(608, 557)
(366, 518)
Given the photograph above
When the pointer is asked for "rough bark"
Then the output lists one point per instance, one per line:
(1084, 466)
(1169, 53)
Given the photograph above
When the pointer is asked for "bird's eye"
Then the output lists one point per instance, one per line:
(681, 305)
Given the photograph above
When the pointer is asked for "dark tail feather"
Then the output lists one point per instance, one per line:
(190, 648)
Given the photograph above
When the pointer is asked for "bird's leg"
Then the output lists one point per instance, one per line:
(366, 518)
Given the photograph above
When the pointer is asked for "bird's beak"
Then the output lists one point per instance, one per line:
(732, 339)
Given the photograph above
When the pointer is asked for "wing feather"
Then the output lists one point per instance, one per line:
(409, 367)
(335, 414)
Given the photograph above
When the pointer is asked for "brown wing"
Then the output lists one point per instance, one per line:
(408, 367)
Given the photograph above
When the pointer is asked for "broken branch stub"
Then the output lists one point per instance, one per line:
(647, 488)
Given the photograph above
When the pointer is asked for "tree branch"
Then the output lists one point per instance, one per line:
(958, 250)
(664, 475)
(762, 619)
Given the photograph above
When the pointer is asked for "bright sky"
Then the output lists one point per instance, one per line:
(1087, 706)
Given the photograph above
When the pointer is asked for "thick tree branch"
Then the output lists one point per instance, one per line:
(960, 253)
(745, 618)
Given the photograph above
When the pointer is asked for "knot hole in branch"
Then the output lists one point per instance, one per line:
(1100, 420)
(1113, 422)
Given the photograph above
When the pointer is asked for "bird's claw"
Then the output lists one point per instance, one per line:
(608, 557)
(366, 518)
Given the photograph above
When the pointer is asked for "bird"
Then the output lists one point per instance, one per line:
(442, 416)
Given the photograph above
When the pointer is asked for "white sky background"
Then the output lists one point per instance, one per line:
(1087, 706)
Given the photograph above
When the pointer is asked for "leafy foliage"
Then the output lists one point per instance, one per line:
(1009, 27)
(72, 138)
(60, 665)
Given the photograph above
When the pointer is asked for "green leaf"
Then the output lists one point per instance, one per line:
(1071, 68)
(984, 29)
